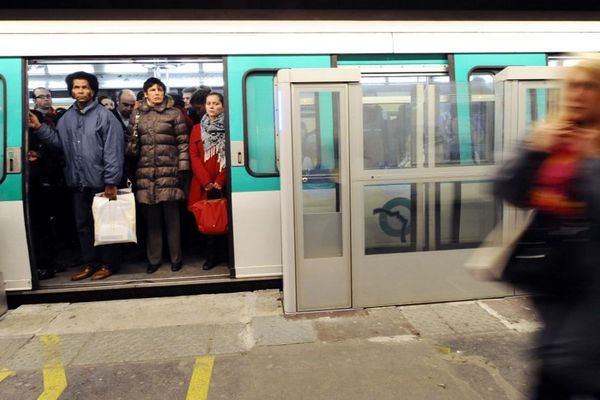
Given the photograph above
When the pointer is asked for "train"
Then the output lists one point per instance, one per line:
(360, 152)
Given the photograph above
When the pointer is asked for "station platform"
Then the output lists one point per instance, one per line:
(241, 346)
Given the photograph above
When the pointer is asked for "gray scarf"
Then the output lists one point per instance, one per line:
(213, 139)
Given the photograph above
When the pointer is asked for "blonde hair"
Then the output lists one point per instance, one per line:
(588, 62)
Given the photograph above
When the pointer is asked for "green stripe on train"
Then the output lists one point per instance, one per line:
(10, 69)
(237, 66)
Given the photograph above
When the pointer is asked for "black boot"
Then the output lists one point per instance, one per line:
(45, 274)
(210, 263)
(152, 268)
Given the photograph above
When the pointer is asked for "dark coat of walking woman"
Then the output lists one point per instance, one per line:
(207, 153)
(557, 173)
(160, 144)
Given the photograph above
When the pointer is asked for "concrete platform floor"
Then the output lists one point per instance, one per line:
(241, 346)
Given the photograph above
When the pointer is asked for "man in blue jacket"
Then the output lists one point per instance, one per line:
(93, 144)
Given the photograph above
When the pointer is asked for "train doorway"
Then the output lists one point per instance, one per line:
(378, 207)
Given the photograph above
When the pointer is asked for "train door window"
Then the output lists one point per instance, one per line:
(2, 127)
(259, 122)
(482, 101)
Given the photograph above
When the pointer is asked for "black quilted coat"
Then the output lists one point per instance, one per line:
(161, 148)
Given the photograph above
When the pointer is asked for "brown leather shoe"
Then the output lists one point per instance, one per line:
(84, 273)
(103, 272)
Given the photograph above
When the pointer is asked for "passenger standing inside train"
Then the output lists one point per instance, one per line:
(159, 142)
(207, 153)
(198, 103)
(42, 99)
(92, 142)
(107, 102)
(125, 104)
(45, 172)
(557, 174)
(187, 93)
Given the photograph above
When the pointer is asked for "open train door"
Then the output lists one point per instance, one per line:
(15, 270)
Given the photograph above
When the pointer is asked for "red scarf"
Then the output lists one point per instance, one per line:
(552, 182)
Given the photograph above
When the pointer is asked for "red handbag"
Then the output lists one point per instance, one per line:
(211, 216)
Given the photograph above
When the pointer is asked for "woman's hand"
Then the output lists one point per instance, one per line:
(547, 135)
(217, 186)
(209, 187)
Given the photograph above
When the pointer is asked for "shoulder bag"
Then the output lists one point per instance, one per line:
(489, 261)
(211, 216)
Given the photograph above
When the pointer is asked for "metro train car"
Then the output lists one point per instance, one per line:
(360, 152)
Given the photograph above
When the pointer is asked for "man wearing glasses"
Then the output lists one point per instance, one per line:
(43, 103)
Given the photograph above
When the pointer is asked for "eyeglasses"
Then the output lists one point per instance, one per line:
(128, 104)
(43, 96)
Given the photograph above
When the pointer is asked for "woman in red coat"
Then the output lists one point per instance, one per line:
(207, 154)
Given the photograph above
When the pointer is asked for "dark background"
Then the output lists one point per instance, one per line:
(303, 9)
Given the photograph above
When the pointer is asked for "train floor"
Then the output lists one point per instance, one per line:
(133, 267)
(240, 346)
(134, 271)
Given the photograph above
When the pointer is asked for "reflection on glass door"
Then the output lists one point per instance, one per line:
(322, 210)
(319, 114)
(419, 205)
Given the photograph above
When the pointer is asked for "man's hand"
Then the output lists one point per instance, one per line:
(33, 122)
(110, 192)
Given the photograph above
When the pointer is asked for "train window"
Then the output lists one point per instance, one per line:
(259, 122)
(117, 74)
(558, 60)
(481, 89)
(3, 110)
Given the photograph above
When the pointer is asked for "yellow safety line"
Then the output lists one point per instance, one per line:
(198, 389)
(55, 380)
(4, 373)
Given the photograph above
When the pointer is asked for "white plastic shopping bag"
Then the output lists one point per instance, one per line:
(114, 220)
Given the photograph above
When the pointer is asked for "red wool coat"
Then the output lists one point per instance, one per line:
(203, 172)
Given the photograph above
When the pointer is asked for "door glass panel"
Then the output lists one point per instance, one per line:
(389, 218)
(322, 211)
(466, 213)
(444, 102)
(390, 120)
(539, 103)
(2, 125)
(481, 89)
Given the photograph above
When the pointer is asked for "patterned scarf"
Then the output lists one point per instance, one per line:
(213, 139)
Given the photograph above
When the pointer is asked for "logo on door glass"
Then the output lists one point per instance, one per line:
(394, 217)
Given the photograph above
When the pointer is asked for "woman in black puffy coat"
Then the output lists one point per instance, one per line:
(160, 144)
